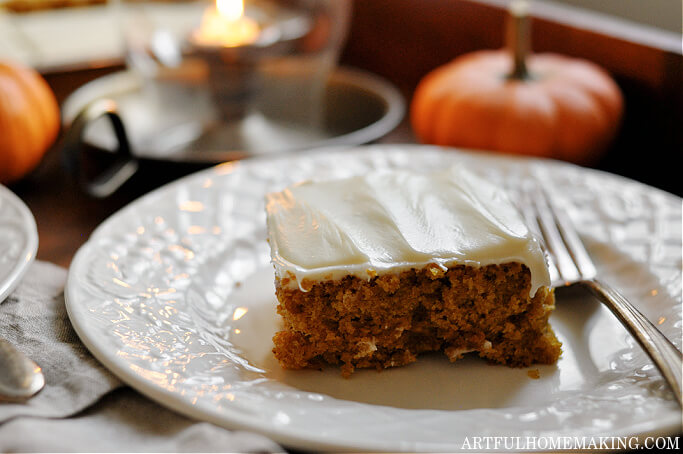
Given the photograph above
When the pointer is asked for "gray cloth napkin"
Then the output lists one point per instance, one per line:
(83, 407)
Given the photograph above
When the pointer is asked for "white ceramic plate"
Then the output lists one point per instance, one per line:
(18, 241)
(175, 295)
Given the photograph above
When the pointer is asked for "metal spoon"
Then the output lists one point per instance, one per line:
(20, 378)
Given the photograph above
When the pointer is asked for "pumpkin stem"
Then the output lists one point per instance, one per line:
(518, 39)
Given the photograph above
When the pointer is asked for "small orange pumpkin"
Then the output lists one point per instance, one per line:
(544, 105)
(29, 120)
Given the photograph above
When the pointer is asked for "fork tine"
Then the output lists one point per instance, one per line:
(572, 260)
(530, 216)
(554, 241)
(575, 246)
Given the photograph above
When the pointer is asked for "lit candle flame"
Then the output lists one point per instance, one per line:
(232, 10)
(226, 25)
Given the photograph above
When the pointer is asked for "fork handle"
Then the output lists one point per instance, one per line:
(663, 353)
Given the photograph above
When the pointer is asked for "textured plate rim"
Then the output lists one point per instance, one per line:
(236, 420)
(28, 254)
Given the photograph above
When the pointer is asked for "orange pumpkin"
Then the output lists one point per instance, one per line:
(29, 120)
(545, 105)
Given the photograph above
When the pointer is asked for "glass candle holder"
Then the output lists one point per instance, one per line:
(244, 67)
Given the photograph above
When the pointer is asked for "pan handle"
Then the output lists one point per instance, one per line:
(75, 154)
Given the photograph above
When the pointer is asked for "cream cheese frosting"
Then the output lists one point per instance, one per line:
(390, 221)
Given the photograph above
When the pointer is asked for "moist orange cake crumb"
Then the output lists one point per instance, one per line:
(362, 285)
(389, 320)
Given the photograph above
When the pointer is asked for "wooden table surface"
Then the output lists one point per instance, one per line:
(405, 45)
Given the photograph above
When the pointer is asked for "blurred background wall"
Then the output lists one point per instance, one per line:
(664, 14)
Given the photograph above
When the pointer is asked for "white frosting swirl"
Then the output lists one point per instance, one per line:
(390, 221)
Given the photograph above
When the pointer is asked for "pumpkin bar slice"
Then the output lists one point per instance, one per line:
(371, 271)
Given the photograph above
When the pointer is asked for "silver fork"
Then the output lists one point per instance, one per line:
(570, 264)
